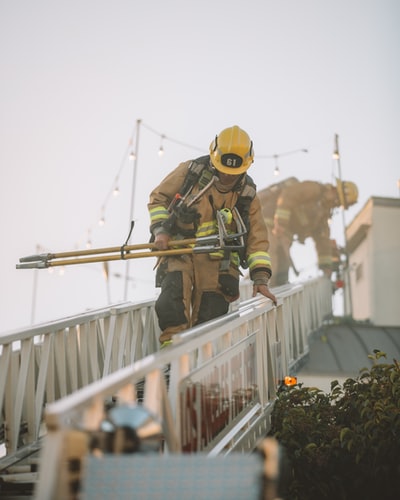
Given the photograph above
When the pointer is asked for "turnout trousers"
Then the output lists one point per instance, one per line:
(193, 290)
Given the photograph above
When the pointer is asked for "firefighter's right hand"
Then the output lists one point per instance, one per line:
(161, 241)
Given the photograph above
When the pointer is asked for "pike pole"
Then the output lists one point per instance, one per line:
(206, 244)
(45, 260)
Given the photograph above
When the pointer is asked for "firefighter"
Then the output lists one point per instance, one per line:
(198, 287)
(303, 210)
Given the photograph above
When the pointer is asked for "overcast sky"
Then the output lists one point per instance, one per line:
(77, 75)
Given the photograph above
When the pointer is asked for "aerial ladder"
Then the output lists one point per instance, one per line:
(92, 388)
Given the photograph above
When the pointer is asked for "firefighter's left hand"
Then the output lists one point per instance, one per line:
(264, 290)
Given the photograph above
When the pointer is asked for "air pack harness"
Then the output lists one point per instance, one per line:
(202, 173)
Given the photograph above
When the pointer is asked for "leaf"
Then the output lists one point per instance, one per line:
(344, 433)
(311, 446)
(334, 383)
(349, 445)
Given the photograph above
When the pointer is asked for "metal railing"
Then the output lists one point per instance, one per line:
(212, 391)
(223, 375)
(45, 363)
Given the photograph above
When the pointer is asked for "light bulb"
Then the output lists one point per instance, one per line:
(132, 156)
(335, 155)
(102, 221)
(161, 149)
(116, 191)
(276, 171)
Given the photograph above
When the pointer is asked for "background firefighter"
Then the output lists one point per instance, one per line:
(199, 287)
(296, 210)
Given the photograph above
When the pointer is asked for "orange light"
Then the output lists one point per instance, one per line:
(289, 381)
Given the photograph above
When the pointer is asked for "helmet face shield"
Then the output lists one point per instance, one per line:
(231, 151)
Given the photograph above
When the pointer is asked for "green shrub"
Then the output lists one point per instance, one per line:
(344, 444)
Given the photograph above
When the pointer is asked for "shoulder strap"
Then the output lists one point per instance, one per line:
(249, 189)
(197, 170)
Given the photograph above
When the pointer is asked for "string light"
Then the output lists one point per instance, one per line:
(276, 156)
(170, 139)
(276, 170)
(129, 155)
(161, 149)
(102, 219)
(335, 154)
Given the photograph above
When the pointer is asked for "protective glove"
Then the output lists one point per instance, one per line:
(161, 241)
(187, 215)
(260, 285)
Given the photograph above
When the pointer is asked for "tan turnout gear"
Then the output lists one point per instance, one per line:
(303, 210)
(199, 287)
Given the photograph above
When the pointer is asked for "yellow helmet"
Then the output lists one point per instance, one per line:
(347, 192)
(231, 151)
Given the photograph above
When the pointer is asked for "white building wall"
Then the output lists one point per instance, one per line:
(374, 256)
(361, 276)
(386, 259)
